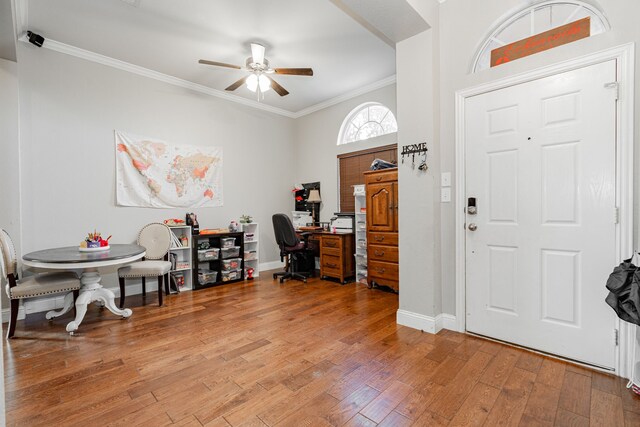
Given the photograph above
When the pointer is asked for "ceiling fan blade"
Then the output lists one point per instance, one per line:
(257, 53)
(294, 71)
(237, 84)
(219, 64)
(279, 89)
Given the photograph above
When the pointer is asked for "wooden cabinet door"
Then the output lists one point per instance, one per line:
(380, 207)
(395, 206)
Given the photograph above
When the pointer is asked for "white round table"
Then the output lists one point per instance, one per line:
(70, 258)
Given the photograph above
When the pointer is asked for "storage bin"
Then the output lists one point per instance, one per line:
(231, 263)
(227, 242)
(231, 252)
(207, 276)
(231, 275)
(250, 255)
(248, 237)
(208, 254)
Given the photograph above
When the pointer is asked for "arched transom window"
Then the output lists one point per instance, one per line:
(367, 121)
(536, 19)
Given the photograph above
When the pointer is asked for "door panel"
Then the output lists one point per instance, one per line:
(380, 211)
(540, 160)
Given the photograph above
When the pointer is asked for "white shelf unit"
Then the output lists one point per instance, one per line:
(361, 233)
(251, 247)
(183, 254)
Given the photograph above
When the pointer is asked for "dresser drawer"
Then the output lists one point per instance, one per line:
(334, 242)
(382, 270)
(331, 251)
(383, 253)
(390, 239)
(330, 265)
(330, 262)
(381, 176)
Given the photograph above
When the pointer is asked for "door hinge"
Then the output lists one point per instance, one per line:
(616, 87)
(616, 215)
(616, 337)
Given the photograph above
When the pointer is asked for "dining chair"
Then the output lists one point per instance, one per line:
(32, 286)
(156, 239)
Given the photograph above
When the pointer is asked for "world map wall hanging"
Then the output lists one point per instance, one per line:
(156, 174)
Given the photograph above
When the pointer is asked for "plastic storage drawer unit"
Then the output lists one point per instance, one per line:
(227, 242)
(230, 275)
(231, 252)
(207, 276)
(231, 263)
(208, 254)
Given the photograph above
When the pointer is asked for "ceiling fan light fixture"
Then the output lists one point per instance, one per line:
(264, 82)
(254, 81)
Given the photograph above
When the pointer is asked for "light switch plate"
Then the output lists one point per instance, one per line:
(445, 179)
(445, 195)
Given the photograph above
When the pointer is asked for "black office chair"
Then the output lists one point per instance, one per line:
(290, 246)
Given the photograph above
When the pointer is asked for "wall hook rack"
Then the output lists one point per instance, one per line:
(413, 149)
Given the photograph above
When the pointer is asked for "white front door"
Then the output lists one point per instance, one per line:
(540, 162)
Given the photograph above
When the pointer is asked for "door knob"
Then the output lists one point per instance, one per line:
(472, 227)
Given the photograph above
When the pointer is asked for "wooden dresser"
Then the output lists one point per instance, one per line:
(382, 227)
(336, 256)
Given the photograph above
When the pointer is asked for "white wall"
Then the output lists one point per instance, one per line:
(316, 151)
(419, 245)
(9, 177)
(444, 54)
(68, 115)
(457, 50)
(9, 156)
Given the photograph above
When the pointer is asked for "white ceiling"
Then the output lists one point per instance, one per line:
(170, 36)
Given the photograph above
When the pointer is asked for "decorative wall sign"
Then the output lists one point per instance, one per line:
(152, 173)
(555, 37)
(413, 149)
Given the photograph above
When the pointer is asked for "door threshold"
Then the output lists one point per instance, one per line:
(544, 353)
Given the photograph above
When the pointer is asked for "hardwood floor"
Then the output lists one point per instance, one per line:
(260, 353)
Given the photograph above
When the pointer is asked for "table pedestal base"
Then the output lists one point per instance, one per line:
(68, 303)
(91, 291)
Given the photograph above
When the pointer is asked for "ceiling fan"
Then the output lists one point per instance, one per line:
(259, 79)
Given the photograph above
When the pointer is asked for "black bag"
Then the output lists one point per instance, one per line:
(624, 291)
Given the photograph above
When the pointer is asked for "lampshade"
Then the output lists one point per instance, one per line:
(314, 196)
(253, 81)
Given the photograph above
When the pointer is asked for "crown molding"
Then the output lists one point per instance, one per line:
(344, 97)
(141, 71)
(77, 52)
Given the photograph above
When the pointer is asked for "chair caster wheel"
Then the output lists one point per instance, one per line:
(304, 281)
(281, 280)
(72, 333)
(275, 276)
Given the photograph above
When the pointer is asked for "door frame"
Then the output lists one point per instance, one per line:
(624, 55)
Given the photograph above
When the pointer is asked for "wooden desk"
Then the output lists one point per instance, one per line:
(336, 255)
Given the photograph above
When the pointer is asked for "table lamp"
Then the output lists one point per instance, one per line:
(314, 197)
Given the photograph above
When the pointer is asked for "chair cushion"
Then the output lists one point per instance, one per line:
(44, 284)
(297, 247)
(145, 269)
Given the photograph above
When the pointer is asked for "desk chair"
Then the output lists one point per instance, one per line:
(32, 286)
(290, 245)
(156, 239)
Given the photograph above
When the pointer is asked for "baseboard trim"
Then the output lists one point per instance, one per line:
(6, 314)
(449, 322)
(273, 265)
(424, 323)
(38, 305)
